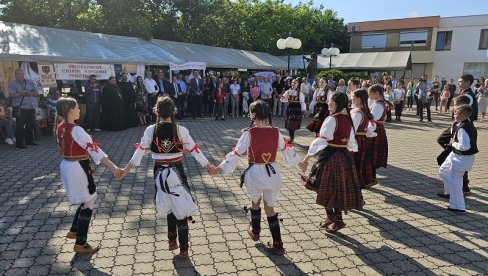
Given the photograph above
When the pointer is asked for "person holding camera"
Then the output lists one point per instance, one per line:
(25, 100)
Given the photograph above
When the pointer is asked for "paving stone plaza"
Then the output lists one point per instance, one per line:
(403, 229)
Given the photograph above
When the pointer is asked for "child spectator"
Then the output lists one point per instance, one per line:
(444, 98)
(7, 123)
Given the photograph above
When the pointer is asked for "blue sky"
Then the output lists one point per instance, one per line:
(369, 10)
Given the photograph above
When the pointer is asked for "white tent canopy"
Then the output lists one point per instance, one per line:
(22, 42)
(358, 61)
(217, 57)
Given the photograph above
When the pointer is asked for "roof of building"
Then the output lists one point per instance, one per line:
(394, 24)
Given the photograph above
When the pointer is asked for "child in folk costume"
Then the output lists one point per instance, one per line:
(379, 144)
(167, 142)
(364, 130)
(461, 159)
(333, 177)
(76, 147)
(262, 178)
(319, 107)
(296, 107)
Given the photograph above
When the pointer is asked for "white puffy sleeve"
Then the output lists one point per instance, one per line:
(352, 144)
(356, 119)
(314, 101)
(326, 133)
(232, 158)
(85, 141)
(302, 101)
(463, 143)
(189, 144)
(290, 157)
(284, 97)
(370, 133)
(377, 111)
(142, 146)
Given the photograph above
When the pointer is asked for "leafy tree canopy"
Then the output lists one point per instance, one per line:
(242, 24)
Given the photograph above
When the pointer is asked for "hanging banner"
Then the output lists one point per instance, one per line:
(46, 74)
(187, 66)
(78, 71)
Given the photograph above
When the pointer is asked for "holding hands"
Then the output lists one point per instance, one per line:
(212, 170)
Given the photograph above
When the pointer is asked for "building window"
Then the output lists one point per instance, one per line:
(443, 41)
(483, 39)
(372, 41)
(413, 39)
(477, 69)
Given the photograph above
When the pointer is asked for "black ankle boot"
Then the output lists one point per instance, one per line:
(74, 225)
(172, 233)
(183, 237)
(81, 246)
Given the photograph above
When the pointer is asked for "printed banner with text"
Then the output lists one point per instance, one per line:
(78, 71)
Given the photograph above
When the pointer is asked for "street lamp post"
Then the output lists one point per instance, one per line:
(332, 51)
(289, 43)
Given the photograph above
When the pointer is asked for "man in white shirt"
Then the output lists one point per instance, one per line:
(152, 90)
(266, 90)
(235, 89)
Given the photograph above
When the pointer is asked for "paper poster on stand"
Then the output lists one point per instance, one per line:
(47, 76)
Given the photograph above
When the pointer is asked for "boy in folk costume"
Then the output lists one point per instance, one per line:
(364, 130)
(262, 178)
(167, 142)
(76, 147)
(461, 159)
(319, 107)
(379, 144)
(296, 108)
(333, 176)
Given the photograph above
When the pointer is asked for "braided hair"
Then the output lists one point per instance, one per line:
(259, 110)
(63, 106)
(163, 109)
(377, 88)
(341, 100)
(362, 94)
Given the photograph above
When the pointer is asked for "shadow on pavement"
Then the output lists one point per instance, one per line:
(285, 265)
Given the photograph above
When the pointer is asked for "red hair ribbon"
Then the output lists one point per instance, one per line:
(94, 146)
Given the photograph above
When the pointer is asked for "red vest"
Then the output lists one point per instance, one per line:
(264, 145)
(363, 125)
(71, 149)
(342, 131)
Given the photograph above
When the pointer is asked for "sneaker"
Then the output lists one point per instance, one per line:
(9, 141)
(13, 139)
(98, 130)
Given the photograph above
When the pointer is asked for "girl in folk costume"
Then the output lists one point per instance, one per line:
(76, 147)
(167, 142)
(296, 107)
(364, 133)
(333, 177)
(262, 178)
(380, 142)
(319, 107)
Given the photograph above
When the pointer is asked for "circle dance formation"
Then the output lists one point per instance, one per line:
(350, 145)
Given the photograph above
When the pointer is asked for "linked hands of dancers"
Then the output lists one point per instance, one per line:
(212, 170)
(303, 164)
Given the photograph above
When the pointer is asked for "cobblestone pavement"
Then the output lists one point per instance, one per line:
(404, 228)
